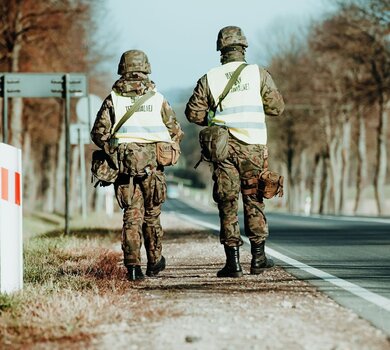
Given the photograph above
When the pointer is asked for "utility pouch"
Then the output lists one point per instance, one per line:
(270, 184)
(214, 143)
(103, 168)
(167, 153)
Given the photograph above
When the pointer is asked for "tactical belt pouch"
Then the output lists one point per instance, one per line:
(167, 153)
(270, 184)
(103, 168)
(214, 143)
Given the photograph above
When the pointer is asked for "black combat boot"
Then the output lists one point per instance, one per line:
(232, 267)
(154, 269)
(134, 273)
(259, 261)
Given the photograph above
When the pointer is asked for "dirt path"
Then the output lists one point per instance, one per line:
(188, 307)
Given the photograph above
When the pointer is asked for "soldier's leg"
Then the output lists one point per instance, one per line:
(256, 226)
(130, 199)
(154, 191)
(250, 163)
(225, 193)
(255, 222)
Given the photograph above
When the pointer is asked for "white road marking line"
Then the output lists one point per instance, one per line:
(361, 292)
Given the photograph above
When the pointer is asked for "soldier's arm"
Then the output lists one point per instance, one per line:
(272, 98)
(169, 118)
(199, 103)
(101, 130)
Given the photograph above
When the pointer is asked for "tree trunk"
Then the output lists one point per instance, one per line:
(345, 158)
(283, 171)
(48, 201)
(361, 178)
(315, 188)
(302, 181)
(290, 182)
(16, 135)
(325, 185)
(381, 158)
(28, 172)
(75, 191)
(333, 162)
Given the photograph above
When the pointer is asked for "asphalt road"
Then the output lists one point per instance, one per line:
(347, 258)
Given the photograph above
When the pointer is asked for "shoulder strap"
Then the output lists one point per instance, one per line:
(229, 85)
(133, 109)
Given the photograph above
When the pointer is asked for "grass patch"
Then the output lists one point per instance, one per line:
(72, 285)
(8, 302)
(75, 288)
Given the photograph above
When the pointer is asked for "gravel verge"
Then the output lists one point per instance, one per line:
(196, 310)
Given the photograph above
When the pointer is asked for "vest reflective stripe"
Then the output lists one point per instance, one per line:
(245, 125)
(145, 125)
(242, 109)
(125, 129)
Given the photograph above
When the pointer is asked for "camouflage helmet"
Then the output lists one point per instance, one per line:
(231, 35)
(134, 61)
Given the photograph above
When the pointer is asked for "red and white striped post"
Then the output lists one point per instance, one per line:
(11, 237)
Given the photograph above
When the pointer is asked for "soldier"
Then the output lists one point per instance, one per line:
(141, 185)
(242, 111)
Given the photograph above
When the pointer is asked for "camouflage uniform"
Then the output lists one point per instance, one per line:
(245, 161)
(141, 185)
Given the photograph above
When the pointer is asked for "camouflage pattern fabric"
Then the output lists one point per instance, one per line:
(134, 61)
(141, 199)
(244, 162)
(140, 187)
(230, 36)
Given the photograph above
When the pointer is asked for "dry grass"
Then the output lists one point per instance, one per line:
(72, 285)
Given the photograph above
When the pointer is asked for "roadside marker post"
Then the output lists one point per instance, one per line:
(11, 236)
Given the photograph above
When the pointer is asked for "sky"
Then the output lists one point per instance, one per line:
(179, 36)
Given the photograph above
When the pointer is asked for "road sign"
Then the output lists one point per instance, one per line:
(64, 85)
(87, 108)
(42, 84)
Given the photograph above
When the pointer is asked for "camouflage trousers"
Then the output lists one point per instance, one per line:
(244, 163)
(141, 198)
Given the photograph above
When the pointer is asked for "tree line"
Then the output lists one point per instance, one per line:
(46, 36)
(333, 135)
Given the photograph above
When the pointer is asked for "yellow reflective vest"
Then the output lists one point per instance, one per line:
(145, 125)
(242, 109)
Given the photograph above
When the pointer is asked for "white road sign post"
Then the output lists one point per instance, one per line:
(86, 109)
(11, 237)
(79, 135)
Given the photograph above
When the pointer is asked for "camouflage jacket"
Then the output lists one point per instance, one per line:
(202, 100)
(131, 85)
